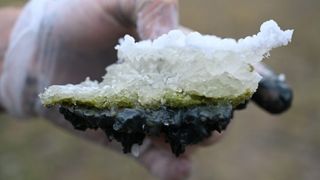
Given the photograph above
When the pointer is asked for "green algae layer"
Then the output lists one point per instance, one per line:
(169, 99)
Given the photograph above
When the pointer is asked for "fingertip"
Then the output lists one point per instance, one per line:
(183, 168)
(162, 164)
(274, 95)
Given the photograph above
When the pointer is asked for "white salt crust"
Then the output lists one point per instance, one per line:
(198, 64)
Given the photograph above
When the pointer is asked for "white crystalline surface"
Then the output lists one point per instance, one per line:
(176, 67)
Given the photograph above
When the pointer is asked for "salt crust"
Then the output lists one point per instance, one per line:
(176, 63)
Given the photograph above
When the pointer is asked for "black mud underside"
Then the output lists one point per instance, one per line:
(181, 127)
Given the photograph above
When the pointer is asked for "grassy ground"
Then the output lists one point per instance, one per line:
(257, 146)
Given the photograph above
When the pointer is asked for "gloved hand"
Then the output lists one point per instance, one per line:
(64, 41)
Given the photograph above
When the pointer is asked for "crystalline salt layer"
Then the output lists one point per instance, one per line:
(176, 67)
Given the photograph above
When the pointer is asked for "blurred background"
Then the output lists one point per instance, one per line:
(257, 145)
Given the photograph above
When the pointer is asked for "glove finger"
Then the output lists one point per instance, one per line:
(156, 17)
(273, 94)
(161, 163)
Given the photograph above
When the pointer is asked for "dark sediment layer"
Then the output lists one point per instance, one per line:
(129, 126)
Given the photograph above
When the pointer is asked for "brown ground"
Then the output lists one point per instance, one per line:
(257, 146)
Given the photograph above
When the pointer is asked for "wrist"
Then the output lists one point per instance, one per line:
(8, 18)
(2, 53)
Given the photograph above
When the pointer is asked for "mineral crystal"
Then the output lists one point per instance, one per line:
(182, 85)
(176, 70)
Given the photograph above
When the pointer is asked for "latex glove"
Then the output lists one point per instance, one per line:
(64, 41)
(8, 17)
